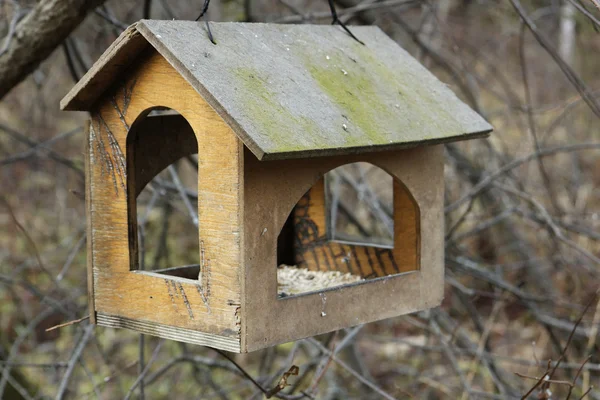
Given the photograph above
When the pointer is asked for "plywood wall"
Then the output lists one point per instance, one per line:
(206, 312)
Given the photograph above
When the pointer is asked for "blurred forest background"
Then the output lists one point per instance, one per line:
(522, 215)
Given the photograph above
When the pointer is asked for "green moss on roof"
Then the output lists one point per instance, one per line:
(356, 95)
(293, 90)
(262, 106)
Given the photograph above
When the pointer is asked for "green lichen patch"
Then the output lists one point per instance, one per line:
(381, 102)
(419, 91)
(356, 96)
(272, 118)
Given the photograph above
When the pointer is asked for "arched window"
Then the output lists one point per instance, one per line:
(356, 223)
(162, 190)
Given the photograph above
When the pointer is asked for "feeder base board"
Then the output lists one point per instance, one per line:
(170, 332)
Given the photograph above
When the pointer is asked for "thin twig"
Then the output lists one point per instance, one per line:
(76, 321)
(85, 337)
(141, 376)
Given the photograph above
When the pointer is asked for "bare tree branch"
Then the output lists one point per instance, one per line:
(37, 35)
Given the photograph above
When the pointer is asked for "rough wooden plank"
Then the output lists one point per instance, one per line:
(315, 250)
(272, 189)
(169, 332)
(292, 91)
(211, 306)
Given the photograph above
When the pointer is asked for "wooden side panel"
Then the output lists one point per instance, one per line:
(273, 188)
(315, 251)
(211, 306)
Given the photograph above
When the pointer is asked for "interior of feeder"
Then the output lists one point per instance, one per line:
(340, 232)
(292, 280)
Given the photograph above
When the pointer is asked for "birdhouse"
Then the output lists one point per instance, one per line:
(269, 109)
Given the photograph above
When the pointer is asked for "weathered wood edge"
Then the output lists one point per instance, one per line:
(371, 149)
(89, 231)
(172, 333)
(77, 99)
(243, 316)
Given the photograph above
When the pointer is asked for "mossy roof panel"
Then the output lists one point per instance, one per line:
(301, 90)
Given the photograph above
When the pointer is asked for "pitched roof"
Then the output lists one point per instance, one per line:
(297, 90)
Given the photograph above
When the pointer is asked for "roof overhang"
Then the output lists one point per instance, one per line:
(291, 91)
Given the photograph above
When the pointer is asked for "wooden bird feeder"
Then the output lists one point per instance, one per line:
(269, 110)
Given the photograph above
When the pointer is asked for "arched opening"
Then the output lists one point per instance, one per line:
(360, 205)
(162, 186)
(355, 224)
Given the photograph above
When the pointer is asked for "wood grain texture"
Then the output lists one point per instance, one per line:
(211, 306)
(272, 189)
(169, 332)
(314, 249)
